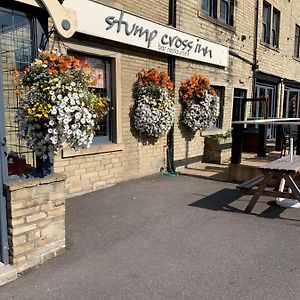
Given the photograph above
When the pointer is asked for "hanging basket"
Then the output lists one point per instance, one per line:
(200, 103)
(57, 106)
(154, 109)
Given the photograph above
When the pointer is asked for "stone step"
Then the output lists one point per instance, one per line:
(7, 274)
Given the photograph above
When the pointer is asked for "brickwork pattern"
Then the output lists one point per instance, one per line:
(36, 220)
(138, 158)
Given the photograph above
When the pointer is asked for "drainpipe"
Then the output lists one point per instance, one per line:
(171, 71)
(255, 62)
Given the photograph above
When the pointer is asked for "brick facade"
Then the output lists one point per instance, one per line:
(36, 207)
(86, 173)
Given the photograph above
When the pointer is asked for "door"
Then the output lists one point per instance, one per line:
(238, 108)
(291, 103)
(268, 108)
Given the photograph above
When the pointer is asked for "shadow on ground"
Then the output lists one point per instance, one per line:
(230, 200)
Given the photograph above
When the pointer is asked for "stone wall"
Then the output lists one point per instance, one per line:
(217, 150)
(36, 220)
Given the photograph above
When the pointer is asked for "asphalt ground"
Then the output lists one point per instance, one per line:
(170, 238)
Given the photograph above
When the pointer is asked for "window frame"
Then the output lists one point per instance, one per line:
(270, 31)
(297, 42)
(116, 143)
(109, 137)
(214, 11)
(266, 21)
(37, 23)
(218, 124)
(275, 30)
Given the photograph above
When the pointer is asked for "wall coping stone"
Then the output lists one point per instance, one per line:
(31, 182)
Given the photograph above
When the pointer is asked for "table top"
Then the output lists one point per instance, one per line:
(284, 164)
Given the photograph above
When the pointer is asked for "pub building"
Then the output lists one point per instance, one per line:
(119, 38)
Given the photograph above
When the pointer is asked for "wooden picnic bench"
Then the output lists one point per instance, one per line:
(282, 169)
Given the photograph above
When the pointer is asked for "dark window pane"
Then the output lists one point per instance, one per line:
(205, 6)
(102, 69)
(209, 7)
(266, 23)
(224, 11)
(275, 28)
(16, 47)
(220, 90)
(297, 42)
(238, 104)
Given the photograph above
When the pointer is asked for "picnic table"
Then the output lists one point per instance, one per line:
(284, 169)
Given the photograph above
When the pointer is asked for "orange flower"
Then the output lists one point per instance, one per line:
(77, 63)
(88, 69)
(53, 71)
(195, 88)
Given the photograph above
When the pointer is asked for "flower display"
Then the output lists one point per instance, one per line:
(154, 110)
(56, 104)
(200, 103)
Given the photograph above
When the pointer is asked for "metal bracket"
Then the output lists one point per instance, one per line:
(64, 19)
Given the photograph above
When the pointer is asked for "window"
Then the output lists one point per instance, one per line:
(20, 36)
(270, 25)
(266, 23)
(107, 64)
(297, 42)
(102, 68)
(220, 90)
(275, 28)
(221, 10)
(291, 103)
(238, 104)
(208, 7)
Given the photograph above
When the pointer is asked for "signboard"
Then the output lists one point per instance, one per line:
(102, 21)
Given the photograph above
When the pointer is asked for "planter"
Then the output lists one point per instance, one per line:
(44, 167)
(217, 150)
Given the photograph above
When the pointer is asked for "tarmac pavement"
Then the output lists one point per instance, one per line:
(170, 238)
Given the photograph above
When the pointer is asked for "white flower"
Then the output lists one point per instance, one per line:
(78, 115)
(154, 115)
(53, 111)
(70, 119)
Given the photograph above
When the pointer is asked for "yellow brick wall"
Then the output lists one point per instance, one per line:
(36, 220)
(87, 173)
(91, 172)
(280, 62)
